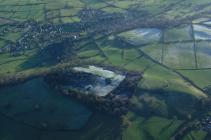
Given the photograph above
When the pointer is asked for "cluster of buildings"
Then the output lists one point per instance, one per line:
(36, 35)
(40, 35)
(206, 124)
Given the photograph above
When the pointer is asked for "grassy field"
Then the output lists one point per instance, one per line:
(25, 9)
(33, 58)
(204, 54)
(155, 77)
(199, 135)
(178, 34)
(161, 78)
(151, 128)
(10, 64)
(154, 51)
(179, 56)
(199, 77)
(2, 43)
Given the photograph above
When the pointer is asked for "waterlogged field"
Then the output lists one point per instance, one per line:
(142, 36)
(202, 32)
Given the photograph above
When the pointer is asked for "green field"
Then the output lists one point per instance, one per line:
(203, 54)
(179, 56)
(199, 77)
(178, 34)
(151, 128)
(199, 135)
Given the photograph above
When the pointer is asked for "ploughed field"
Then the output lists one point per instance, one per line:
(113, 70)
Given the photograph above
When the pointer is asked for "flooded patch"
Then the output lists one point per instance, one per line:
(207, 22)
(202, 32)
(201, 20)
(94, 80)
(142, 36)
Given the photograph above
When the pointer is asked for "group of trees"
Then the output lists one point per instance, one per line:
(115, 103)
